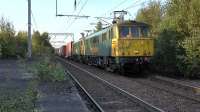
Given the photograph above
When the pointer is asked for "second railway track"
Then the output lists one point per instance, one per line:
(109, 97)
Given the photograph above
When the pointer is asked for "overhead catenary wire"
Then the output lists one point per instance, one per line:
(34, 20)
(69, 19)
(70, 23)
(79, 3)
(134, 4)
(112, 9)
(77, 14)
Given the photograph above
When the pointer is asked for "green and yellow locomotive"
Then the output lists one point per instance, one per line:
(125, 46)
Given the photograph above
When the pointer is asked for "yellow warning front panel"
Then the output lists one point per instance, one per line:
(133, 47)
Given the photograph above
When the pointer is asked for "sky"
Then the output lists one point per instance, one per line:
(44, 14)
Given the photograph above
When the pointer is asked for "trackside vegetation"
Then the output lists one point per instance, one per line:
(176, 28)
(49, 70)
(16, 100)
(43, 65)
(13, 45)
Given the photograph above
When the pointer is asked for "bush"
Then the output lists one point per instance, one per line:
(50, 71)
(8, 45)
(58, 73)
(7, 39)
(190, 65)
(167, 50)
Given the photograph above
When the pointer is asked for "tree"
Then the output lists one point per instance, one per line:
(41, 44)
(176, 23)
(167, 50)
(7, 39)
(21, 41)
(36, 43)
(152, 15)
(47, 46)
(12, 45)
(183, 16)
(99, 26)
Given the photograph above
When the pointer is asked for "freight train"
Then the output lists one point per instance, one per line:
(125, 47)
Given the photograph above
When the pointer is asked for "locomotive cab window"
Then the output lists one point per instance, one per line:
(124, 31)
(129, 32)
(144, 31)
(135, 31)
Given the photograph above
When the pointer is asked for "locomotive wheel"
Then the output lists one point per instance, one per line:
(109, 69)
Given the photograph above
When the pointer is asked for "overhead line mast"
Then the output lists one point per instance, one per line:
(29, 30)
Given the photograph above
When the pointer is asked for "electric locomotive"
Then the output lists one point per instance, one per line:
(124, 46)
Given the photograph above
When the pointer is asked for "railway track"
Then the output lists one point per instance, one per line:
(155, 94)
(92, 103)
(106, 96)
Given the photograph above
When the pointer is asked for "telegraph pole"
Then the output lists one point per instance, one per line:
(29, 30)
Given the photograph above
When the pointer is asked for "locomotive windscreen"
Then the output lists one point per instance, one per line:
(144, 31)
(124, 31)
(133, 31)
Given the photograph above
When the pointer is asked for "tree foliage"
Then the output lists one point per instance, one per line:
(21, 41)
(177, 28)
(15, 45)
(7, 39)
(98, 26)
(41, 44)
(152, 15)
(167, 50)
(183, 16)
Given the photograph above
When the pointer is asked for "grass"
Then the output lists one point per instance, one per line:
(16, 100)
(49, 70)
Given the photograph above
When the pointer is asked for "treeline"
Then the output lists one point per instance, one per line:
(14, 44)
(175, 25)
